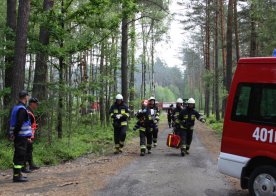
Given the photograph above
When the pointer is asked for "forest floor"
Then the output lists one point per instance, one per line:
(162, 173)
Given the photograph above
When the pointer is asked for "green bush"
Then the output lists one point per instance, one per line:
(217, 126)
(85, 140)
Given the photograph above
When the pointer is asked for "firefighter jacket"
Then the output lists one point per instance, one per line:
(152, 116)
(141, 116)
(120, 114)
(175, 115)
(187, 118)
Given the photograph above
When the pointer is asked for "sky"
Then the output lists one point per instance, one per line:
(168, 50)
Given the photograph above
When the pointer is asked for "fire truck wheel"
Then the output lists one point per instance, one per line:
(262, 181)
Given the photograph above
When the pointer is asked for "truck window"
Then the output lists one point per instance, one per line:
(242, 100)
(255, 103)
(268, 104)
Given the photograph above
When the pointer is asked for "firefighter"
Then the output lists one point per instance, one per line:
(153, 119)
(169, 115)
(175, 114)
(145, 134)
(119, 113)
(33, 105)
(187, 121)
(20, 133)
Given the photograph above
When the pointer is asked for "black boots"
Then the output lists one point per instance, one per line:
(183, 152)
(33, 166)
(26, 170)
(17, 176)
(143, 152)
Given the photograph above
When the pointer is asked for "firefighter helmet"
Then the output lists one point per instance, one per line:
(191, 101)
(179, 100)
(152, 98)
(119, 97)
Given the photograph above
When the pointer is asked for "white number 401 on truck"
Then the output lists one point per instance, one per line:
(248, 147)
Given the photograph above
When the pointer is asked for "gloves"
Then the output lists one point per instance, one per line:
(124, 117)
(118, 116)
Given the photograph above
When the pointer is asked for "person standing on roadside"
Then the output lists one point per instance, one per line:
(20, 133)
(33, 105)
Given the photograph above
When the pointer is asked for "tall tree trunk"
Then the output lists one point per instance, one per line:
(41, 68)
(223, 45)
(102, 105)
(207, 66)
(30, 72)
(216, 65)
(124, 56)
(152, 61)
(144, 66)
(115, 87)
(229, 45)
(61, 82)
(253, 37)
(236, 30)
(9, 59)
(18, 71)
(132, 69)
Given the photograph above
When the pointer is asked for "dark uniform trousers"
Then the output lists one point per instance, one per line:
(186, 137)
(146, 135)
(20, 150)
(155, 133)
(29, 153)
(120, 135)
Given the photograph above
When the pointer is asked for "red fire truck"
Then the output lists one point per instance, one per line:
(248, 148)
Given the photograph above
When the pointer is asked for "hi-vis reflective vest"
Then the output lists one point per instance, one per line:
(33, 125)
(25, 130)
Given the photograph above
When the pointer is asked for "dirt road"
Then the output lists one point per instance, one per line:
(162, 173)
(165, 172)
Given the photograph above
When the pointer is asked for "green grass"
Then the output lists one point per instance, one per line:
(84, 140)
(217, 126)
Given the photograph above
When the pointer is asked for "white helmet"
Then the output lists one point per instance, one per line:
(152, 98)
(179, 100)
(119, 97)
(191, 101)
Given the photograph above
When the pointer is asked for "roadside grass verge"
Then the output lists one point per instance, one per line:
(217, 126)
(84, 139)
